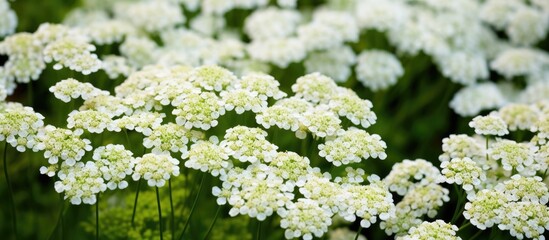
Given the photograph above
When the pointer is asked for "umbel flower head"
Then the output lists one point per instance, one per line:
(316, 219)
(170, 137)
(489, 125)
(208, 156)
(19, 126)
(80, 183)
(156, 169)
(64, 144)
(115, 163)
(432, 230)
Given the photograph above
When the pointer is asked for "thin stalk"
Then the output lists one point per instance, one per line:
(159, 213)
(59, 219)
(193, 206)
(258, 230)
(476, 235)
(171, 208)
(464, 226)
(135, 202)
(358, 232)
(213, 223)
(97, 218)
(10, 189)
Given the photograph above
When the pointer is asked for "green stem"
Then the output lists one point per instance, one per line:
(10, 189)
(59, 219)
(171, 208)
(213, 223)
(258, 234)
(358, 232)
(97, 218)
(304, 146)
(159, 213)
(476, 235)
(135, 202)
(464, 226)
(193, 206)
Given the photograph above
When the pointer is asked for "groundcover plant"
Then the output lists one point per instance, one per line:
(274, 119)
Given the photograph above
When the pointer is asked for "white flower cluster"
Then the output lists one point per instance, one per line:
(520, 61)
(248, 144)
(408, 174)
(378, 69)
(8, 19)
(352, 146)
(89, 120)
(170, 137)
(151, 16)
(74, 52)
(358, 111)
(514, 156)
(368, 202)
(70, 88)
(519, 116)
(156, 169)
(25, 61)
(115, 163)
(469, 101)
(80, 183)
(460, 146)
(304, 210)
(64, 144)
(143, 122)
(432, 230)
(19, 126)
(208, 156)
(489, 125)
(462, 171)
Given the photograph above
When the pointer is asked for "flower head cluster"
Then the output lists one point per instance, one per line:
(462, 171)
(109, 31)
(241, 100)
(208, 156)
(305, 211)
(513, 155)
(334, 62)
(464, 68)
(489, 125)
(271, 23)
(328, 194)
(64, 144)
(150, 16)
(280, 52)
(143, 122)
(321, 122)
(347, 104)
(432, 230)
(368, 202)
(528, 189)
(460, 146)
(199, 110)
(377, 69)
(115, 163)
(73, 52)
(519, 61)
(80, 183)
(8, 19)
(89, 120)
(248, 144)
(291, 167)
(264, 85)
(408, 174)
(71, 88)
(170, 137)
(212, 78)
(470, 100)
(483, 211)
(352, 146)
(525, 219)
(519, 116)
(156, 169)
(315, 88)
(19, 126)
(25, 58)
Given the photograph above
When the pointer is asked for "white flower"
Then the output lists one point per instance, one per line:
(8, 19)
(352, 146)
(489, 125)
(368, 202)
(347, 104)
(199, 111)
(524, 189)
(409, 174)
(460, 146)
(248, 144)
(271, 22)
(265, 85)
(143, 122)
(432, 230)
(519, 61)
(378, 69)
(116, 66)
(527, 26)
(89, 120)
(212, 78)
(464, 68)
(318, 36)
(280, 52)
(74, 52)
(382, 16)
(470, 100)
(71, 88)
(305, 219)
(115, 163)
(519, 116)
(155, 169)
(19, 126)
(525, 219)
(484, 210)
(208, 156)
(464, 172)
(513, 155)
(151, 16)
(334, 62)
(80, 183)
(64, 144)
(315, 87)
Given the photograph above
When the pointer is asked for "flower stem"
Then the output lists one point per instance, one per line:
(213, 222)
(193, 206)
(464, 226)
(59, 219)
(13, 216)
(159, 212)
(171, 208)
(358, 232)
(97, 218)
(135, 202)
(258, 234)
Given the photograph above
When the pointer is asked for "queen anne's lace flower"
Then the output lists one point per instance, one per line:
(432, 230)
(64, 144)
(151, 16)
(290, 167)
(199, 111)
(305, 219)
(170, 137)
(280, 52)
(208, 156)
(525, 219)
(489, 125)
(527, 26)
(352, 146)
(155, 169)
(347, 104)
(462, 171)
(464, 68)
(513, 155)
(321, 122)
(212, 78)
(19, 126)
(483, 211)
(460, 146)
(89, 120)
(265, 85)
(368, 202)
(408, 174)
(326, 193)
(71, 88)
(425, 200)
(271, 23)
(115, 163)
(470, 100)
(249, 144)
(519, 116)
(80, 183)
(315, 87)
(8, 19)
(524, 189)
(519, 61)
(73, 52)
(111, 105)
(143, 122)
(377, 69)
(241, 100)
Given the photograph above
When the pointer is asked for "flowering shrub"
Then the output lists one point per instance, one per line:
(262, 119)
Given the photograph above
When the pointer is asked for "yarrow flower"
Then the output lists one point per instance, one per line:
(462, 171)
(470, 100)
(115, 163)
(347, 104)
(460, 146)
(432, 230)
(171, 137)
(70, 88)
(89, 120)
(524, 189)
(64, 144)
(143, 122)
(305, 211)
(519, 116)
(325, 192)
(489, 125)
(156, 169)
(519, 61)
(315, 88)
(19, 126)
(513, 155)
(265, 85)
(208, 156)
(321, 122)
(525, 219)
(199, 111)
(241, 100)
(73, 52)
(408, 174)
(248, 144)
(483, 211)
(212, 78)
(378, 69)
(290, 167)
(352, 146)
(80, 183)
(369, 202)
